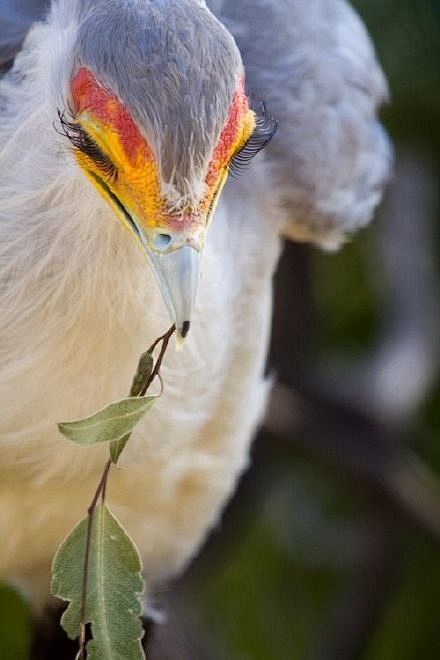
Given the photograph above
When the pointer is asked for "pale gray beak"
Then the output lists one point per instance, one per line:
(177, 273)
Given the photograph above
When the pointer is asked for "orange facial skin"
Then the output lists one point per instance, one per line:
(237, 130)
(136, 183)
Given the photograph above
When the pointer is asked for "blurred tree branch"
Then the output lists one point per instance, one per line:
(344, 437)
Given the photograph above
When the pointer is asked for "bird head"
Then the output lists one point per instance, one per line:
(157, 114)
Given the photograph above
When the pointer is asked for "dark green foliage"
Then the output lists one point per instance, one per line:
(14, 626)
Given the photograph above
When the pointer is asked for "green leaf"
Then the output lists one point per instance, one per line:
(117, 447)
(111, 423)
(143, 373)
(114, 587)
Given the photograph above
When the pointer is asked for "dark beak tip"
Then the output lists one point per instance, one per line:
(185, 328)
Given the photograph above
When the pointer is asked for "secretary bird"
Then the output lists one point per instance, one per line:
(122, 120)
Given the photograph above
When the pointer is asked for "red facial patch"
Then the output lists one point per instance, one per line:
(230, 134)
(89, 95)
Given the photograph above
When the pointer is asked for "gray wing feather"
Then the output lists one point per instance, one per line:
(312, 61)
(16, 17)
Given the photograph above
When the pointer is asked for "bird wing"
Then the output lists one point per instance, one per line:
(15, 20)
(315, 66)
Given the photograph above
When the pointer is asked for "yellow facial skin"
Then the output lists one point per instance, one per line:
(229, 145)
(127, 176)
(136, 185)
(134, 182)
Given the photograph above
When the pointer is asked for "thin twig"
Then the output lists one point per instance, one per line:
(165, 339)
(101, 491)
(166, 336)
(100, 488)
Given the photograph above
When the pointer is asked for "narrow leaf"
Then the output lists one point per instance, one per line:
(117, 447)
(114, 589)
(140, 380)
(143, 373)
(111, 423)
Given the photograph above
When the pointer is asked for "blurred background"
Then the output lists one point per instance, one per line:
(331, 548)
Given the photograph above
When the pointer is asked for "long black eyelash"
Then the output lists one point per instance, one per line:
(84, 143)
(264, 131)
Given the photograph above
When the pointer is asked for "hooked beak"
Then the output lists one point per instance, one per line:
(177, 273)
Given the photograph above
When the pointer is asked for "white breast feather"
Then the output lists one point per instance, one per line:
(78, 306)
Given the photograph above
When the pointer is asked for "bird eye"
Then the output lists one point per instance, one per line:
(265, 129)
(82, 141)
